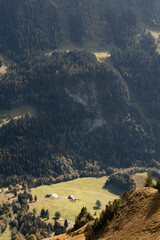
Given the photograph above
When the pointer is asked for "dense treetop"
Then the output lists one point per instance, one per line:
(90, 115)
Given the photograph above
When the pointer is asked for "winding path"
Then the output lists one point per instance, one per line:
(73, 189)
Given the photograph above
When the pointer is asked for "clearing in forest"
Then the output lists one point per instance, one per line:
(87, 190)
(3, 69)
(16, 113)
(7, 234)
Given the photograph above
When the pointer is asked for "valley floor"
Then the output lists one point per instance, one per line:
(86, 190)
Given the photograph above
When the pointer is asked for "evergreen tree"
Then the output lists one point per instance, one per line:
(158, 183)
(66, 223)
(149, 180)
(43, 212)
(24, 186)
(10, 188)
(98, 204)
(30, 198)
(57, 215)
(15, 192)
(35, 198)
(47, 214)
(34, 211)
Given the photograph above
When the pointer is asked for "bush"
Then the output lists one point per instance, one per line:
(57, 215)
(31, 237)
(158, 183)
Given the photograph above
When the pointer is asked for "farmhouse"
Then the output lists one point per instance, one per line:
(54, 195)
(71, 197)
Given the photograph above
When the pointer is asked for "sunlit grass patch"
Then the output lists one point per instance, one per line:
(86, 190)
(16, 113)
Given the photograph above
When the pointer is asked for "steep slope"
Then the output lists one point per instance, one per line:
(138, 218)
(90, 115)
(77, 235)
(31, 25)
(86, 120)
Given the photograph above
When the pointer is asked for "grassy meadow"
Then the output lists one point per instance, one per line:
(16, 113)
(3, 69)
(6, 235)
(101, 55)
(87, 190)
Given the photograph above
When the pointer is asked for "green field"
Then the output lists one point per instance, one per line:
(16, 113)
(87, 190)
(6, 235)
(144, 176)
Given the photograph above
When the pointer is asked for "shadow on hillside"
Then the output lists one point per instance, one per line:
(7, 192)
(114, 189)
(154, 206)
(96, 208)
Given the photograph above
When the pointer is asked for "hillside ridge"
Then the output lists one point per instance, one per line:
(91, 114)
(137, 219)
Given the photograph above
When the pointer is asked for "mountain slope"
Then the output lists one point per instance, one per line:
(90, 115)
(28, 26)
(86, 118)
(138, 218)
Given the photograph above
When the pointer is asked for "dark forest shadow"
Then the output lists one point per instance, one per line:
(114, 189)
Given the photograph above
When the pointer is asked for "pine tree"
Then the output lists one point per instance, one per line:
(35, 198)
(47, 214)
(57, 215)
(43, 213)
(149, 180)
(98, 204)
(158, 183)
(30, 198)
(66, 223)
(15, 192)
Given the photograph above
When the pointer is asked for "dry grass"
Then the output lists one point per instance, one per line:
(3, 69)
(77, 235)
(156, 36)
(16, 113)
(101, 56)
(5, 195)
(140, 179)
(7, 234)
(139, 218)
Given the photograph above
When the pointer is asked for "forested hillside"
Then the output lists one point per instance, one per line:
(32, 25)
(90, 114)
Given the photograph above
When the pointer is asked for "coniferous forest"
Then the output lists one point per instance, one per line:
(90, 115)
(89, 71)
